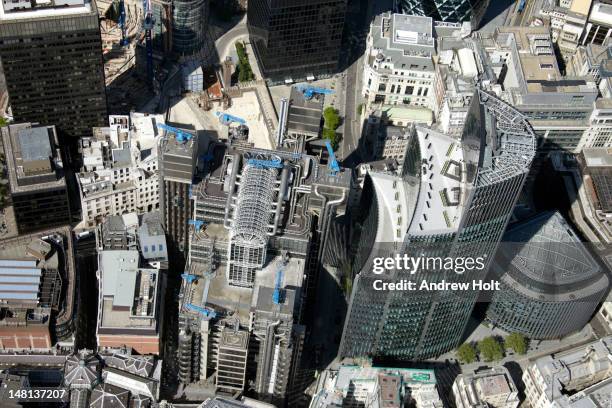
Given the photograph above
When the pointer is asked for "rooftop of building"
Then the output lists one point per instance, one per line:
(236, 300)
(128, 292)
(337, 384)
(447, 168)
(488, 383)
(219, 402)
(548, 258)
(581, 7)
(597, 156)
(538, 70)
(304, 115)
(23, 266)
(35, 9)
(400, 38)
(32, 260)
(32, 157)
(582, 364)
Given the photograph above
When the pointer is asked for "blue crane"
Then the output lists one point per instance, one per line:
(197, 224)
(310, 91)
(147, 25)
(121, 22)
(189, 278)
(181, 135)
(333, 163)
(227, 119)
(277, 296)
(204, 311)
(261, 163)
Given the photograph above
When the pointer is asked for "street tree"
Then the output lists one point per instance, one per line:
(516, 342)
(466, 353)
(490, 349)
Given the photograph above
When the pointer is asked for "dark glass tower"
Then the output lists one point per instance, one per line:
(453, 201)
(189, 25)
(295, 39)
(453, 11)
(51, 54)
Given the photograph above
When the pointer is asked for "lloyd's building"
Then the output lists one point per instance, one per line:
(453, 199)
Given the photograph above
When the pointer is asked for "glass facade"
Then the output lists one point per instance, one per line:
(421, 324)
(454, 11)
(295, 39)
(550, 283)
(54, 71)
(189, 27)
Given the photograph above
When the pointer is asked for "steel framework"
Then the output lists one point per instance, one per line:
(252, 221)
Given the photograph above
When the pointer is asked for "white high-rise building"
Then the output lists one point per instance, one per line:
(120, 168)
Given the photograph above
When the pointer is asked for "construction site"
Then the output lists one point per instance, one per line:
(123, 31)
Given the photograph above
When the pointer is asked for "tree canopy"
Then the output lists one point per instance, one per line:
(466, 353)
(331, 122)
(516, 342)
(490, 349)
(245, 72)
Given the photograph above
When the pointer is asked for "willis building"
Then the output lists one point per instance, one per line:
(51, 54)
(453, 199)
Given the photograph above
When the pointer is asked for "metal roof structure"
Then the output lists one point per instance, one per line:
(252, 222)
(548, 252)
(19, 280)
(119, 270)
(34, 143)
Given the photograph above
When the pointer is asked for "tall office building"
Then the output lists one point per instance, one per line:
(279, 340)
(36, 176)
(296, 39)
(177, 168)
(51, 53)
(453, 201)
(550, 284)
(189, 25)
(454, 11)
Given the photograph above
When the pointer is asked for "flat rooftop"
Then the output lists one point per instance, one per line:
(223, 296)
(129, 293)
(401, 37)
(28, 151)
(44, 9)
(304, 115)
(598, 157)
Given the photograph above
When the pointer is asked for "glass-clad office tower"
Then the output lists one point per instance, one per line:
(453, 200)
(550, 283)
(452, 11)
(51, 54)
(189, 25)
(296, 39)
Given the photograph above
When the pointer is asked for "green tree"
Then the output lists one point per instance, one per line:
(2, 121)
(332, 136)
(466, 353)
(245, 72)
(490, 349)
(331, 118)
(360, 109)
(516, 342)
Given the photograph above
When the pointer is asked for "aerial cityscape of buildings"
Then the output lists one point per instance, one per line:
(316, 203)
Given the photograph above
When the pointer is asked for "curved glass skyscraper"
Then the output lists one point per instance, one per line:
(190, 22)
(550, 284)
(451, 204)
(453, 11)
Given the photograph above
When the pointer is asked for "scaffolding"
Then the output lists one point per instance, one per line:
(251, 224)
